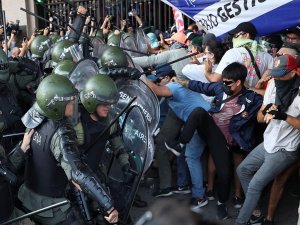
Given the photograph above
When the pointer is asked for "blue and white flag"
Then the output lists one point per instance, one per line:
(221, 16)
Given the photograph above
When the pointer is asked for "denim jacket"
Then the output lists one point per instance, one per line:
(242, 124)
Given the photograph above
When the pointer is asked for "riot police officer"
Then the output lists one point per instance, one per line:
(8, 166)
(10, 112)
(97, 96)
(54, 159)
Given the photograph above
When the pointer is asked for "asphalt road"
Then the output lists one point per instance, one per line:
(286, 214)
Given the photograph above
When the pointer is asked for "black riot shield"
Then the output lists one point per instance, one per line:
(83, 70)
(135, 136)
(149, 105)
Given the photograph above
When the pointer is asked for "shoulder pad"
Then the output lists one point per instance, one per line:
(32, 118)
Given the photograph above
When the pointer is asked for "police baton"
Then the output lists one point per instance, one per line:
(36, 212)
(174, 61)
(12, 135)
(130, 50)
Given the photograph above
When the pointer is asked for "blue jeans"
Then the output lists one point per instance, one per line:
(193, 153)
(256, 171)
(183, 175)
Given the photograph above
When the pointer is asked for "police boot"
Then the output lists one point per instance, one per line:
(138, 202)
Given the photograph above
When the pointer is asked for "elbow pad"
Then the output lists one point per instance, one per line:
(80, 173)
(92, 186)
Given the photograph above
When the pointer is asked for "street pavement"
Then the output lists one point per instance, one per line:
(286, 213)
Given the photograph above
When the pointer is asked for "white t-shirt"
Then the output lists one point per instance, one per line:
(264, 61)
(196, 72)
(270, 93)
(279, 134)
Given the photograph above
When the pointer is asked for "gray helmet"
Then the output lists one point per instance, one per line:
(99, 89)
(52, 96)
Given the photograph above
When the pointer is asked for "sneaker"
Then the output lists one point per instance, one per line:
(163, 192)
(175, 147)
(256, 220)
(222, 212)
(268, 222)
(210, 195)
(182, 190)
(237, 202)
(197, 203)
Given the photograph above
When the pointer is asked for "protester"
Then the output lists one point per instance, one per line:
(182, 102)
(245, 48)
(281, 138)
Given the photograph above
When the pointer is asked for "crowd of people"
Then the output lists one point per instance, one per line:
(229, 114)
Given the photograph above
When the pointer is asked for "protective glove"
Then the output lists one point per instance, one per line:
(134, 74)
(124, 72)
(278, 115)
(264, 112)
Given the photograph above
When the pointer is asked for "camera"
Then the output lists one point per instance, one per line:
(12, 26)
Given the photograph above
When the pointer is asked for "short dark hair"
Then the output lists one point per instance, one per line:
(235, 71)
(194, 27)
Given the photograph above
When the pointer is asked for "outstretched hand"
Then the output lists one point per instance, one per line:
(26, 140)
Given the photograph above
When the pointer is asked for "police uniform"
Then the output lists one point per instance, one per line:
(54, 159)
(7, 178)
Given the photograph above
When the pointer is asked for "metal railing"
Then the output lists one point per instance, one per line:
(153, 12)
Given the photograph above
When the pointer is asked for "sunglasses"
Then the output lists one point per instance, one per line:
(228, 82)
(239, 34)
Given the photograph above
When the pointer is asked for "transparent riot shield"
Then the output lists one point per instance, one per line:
(135, 137)
(141, 40)
(83, 70)
(147, 100)
(99, 46)
(148, 103)
(128, 41)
